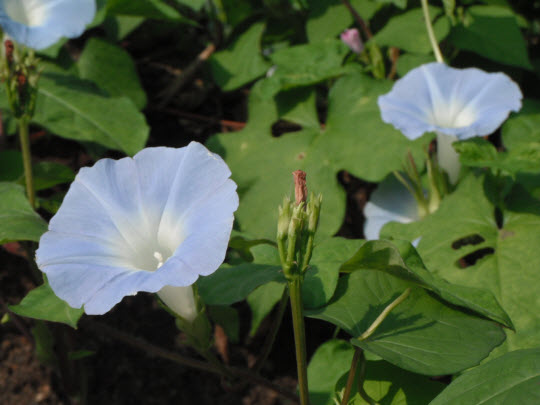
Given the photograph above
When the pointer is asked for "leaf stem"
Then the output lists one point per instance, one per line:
(431, 34)
(367, 32)
(271, 337)
(295, 291)
(384, 314)
(352, 374)
(362, 377)
(27, 159)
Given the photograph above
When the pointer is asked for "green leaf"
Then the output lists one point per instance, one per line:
(49, 174)
(322, 276)
(46, 174)
(512, 378)
(328, 18)
(307, 64)
(477, 152)
(409, 61)
(462, 243)
(18, 221)
(422, 334)
(261, 302)
(75, 109)
(354, 139)
(408, 31)
(523, 129)
(492, 32)
(397, 3)
(11, 165)
(241, 62)
(156, 9)
(228, 319)
(119, 27)
(331, 360)
(388, 384)
(231, 284)
(407, 265)
(298, 106)
(42, 303)
(112, 69)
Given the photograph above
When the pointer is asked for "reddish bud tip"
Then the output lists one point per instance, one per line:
(8, 44)
(300, 187)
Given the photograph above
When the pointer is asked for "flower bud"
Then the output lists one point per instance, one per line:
(313, 212)
(284, 218)
(351, 38)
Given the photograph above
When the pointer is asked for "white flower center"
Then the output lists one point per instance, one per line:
(452, 115)
(31, 13)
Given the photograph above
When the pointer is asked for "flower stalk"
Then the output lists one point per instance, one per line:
(295, 291)
(20, 74)
(431, 33)
(27, 160)
(297, 225)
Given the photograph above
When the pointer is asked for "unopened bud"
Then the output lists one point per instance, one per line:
(297, 221)
(351, 38)
(284, 218)
(313, 212)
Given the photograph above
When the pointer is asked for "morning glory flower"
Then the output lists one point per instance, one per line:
(456, 104)
(38, 24)
(154, 223)
(351, 38)
(390, 202)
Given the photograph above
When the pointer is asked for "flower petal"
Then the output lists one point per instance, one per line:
(38, 24)
(460, 102)
(160, 219)
(391, 201)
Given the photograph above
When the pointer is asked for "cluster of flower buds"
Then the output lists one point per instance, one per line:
(20, 74)
(297, 224)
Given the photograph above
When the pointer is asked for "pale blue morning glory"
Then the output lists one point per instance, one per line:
(154, 223)
(38, 24)
(390, 202)
(456, 103)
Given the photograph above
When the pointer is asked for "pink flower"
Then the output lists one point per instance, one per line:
(351, 38)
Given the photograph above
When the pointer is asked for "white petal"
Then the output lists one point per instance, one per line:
(120, 220)
(38, 24)
(198, 176)
(458, 102)
(391, 201)
(181, 300)
(447, 157)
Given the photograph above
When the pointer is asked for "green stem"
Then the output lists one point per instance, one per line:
(352, 374)
(384, 314)
(362, 377)
(271, 337)
(295, 291)
(431, 34)
(27, 159)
